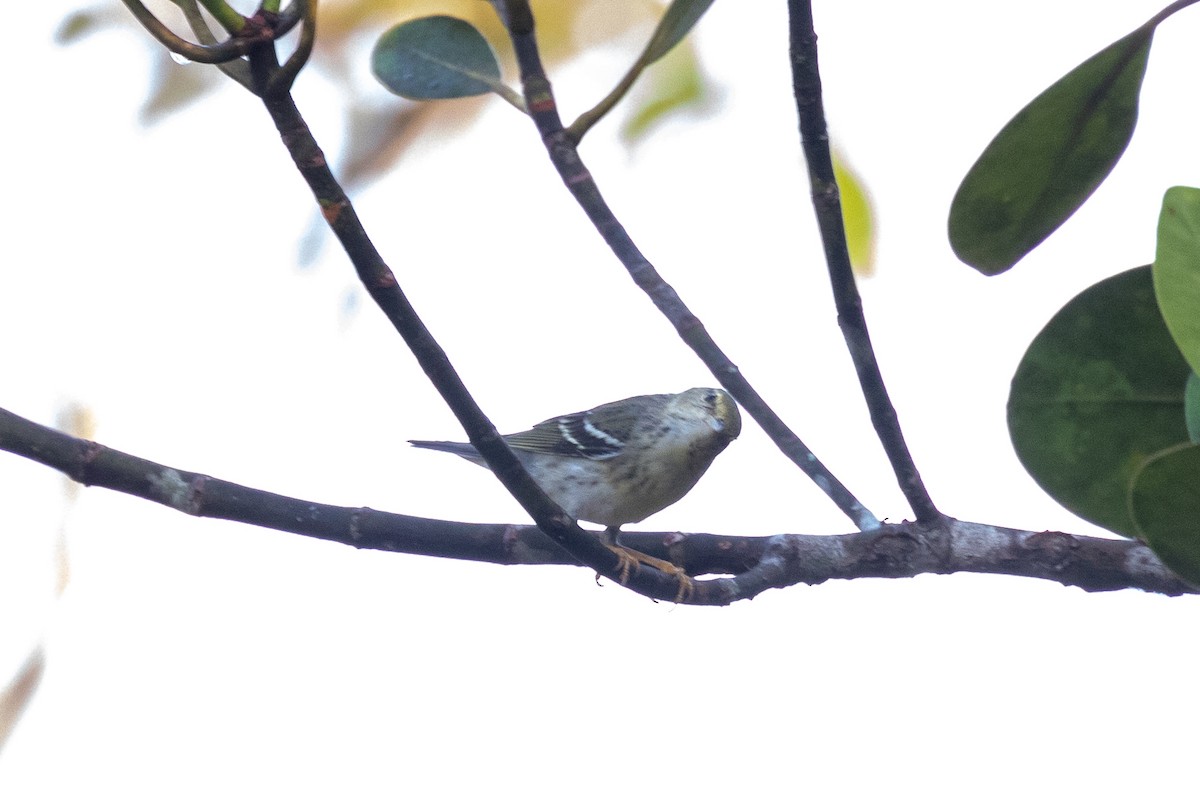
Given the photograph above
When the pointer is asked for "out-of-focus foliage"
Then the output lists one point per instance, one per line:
(858, 217)
(377, 133)
(673, 83)
(15, 697)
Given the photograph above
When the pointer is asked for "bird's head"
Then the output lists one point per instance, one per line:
(717, 408)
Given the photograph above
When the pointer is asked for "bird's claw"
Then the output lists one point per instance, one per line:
(628, 560)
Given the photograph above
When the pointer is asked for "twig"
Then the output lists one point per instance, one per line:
(251, 32)
(806, 80)
(384, 289)
(232, 48)
(565, 157)
(892, 551)
(238, 69)
(283, 78)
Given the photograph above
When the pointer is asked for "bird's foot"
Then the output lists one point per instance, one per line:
(630, 560)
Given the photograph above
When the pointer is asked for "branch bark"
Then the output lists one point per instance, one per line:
(806, 82)
(759, 562)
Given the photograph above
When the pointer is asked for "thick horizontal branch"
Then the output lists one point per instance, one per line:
(760, 562)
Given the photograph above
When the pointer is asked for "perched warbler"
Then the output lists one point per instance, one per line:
(623, 461)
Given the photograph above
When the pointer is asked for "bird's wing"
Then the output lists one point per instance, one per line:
(597, 434)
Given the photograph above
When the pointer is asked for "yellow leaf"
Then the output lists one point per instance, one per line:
(858, 217)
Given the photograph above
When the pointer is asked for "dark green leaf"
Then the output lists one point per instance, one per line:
(680, 17)
(1177, 269)
(1049, 158)
(1191, 407)
(435, 58)
(1099, 391)
(1165, 502)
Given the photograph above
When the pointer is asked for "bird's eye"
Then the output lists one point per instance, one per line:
(711, 398)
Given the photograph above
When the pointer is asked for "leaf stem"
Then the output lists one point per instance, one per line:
(224, 14)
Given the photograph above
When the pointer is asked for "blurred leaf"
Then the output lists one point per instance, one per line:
(1165, 503)
(858, 218)
(376, 135)
(435, 58)
(15, 697)
(1177, 269)
(1099, 390)
(1191, 407)
(342, 20)
(176, 86)
(679, 18)
(79, 24)
(1049, 158)
(673, 84)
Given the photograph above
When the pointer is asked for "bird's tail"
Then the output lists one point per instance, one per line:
(457, 448)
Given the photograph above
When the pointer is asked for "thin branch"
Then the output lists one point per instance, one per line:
(806, 81)
(761, 563)
(384, 289)
(281, 81)
(222, 12)
(265, 26)
(237, 69)
(565, 157)
(675, 23)
(227, 50)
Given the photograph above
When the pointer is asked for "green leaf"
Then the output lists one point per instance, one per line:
(1177, 269)
(1191, 407)
(1165, 503)
(436, 58)
(79, 24)
(1099, 390)
(858, 218)
(675, 83)
(1049, 158)
(680, 17)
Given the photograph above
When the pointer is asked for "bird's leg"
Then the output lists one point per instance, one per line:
(628, 558)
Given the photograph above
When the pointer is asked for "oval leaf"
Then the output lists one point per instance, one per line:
(1177, 269)
(1049, 158)
(1165, 502)
(858, 218)
(1099, 390)
(680, 17)
(1191, 407)
(435, 58)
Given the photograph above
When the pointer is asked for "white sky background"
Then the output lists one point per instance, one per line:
(150, 274)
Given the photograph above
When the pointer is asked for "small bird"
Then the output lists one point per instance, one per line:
(622, 461)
